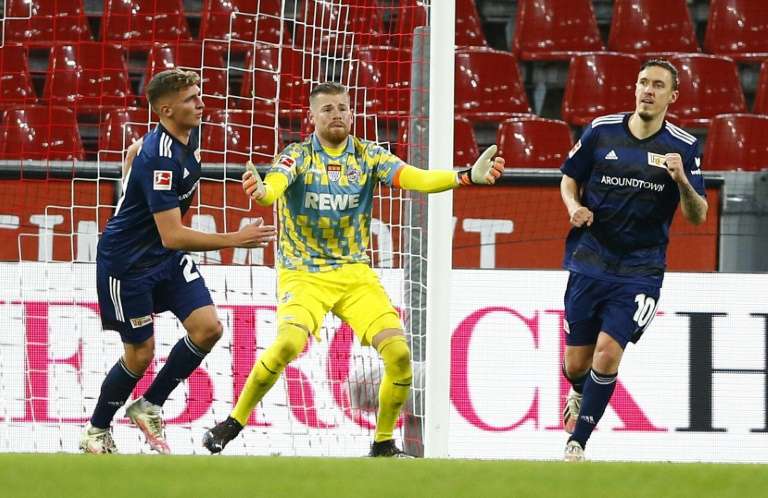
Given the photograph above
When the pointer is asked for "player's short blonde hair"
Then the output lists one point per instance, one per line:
(169, 81)
(327, 88)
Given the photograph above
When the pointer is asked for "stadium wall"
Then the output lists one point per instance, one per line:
(694, 389)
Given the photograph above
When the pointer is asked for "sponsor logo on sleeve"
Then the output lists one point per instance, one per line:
(575, 149)
(658, 160)
(163, 179)
(141, 321)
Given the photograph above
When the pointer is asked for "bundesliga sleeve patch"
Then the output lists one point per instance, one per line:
(163, 179)
(285, 162)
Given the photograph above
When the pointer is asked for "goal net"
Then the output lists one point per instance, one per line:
(258, 60)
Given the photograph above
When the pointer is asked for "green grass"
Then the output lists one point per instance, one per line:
(85, 476)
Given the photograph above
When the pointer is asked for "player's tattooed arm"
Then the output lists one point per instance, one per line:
(693, 205)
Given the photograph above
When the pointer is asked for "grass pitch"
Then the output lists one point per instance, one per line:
(147, 476)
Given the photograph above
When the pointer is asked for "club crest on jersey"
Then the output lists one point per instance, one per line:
(285, 162)
(334, 171)
(163, 180)
(658, 160)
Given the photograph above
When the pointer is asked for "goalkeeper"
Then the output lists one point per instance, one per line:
(324, 189)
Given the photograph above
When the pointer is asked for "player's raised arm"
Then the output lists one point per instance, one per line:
(176, 236)
(263, 192)
(485, 171)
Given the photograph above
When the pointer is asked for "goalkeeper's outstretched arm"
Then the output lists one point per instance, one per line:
(263, 192)
(485, 171)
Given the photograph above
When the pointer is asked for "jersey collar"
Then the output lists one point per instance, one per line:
(318, 147)
(191, 143)
(625, 124)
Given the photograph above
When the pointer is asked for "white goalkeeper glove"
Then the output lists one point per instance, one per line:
(486, 169)
(252, 183)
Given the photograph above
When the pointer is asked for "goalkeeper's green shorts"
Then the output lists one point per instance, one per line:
(353, 293)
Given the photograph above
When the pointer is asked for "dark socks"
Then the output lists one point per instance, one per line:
(598, 389)
(185, 357)
(115, 389)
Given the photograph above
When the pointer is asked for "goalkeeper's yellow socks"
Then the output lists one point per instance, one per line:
(290, 342)
(395, 384)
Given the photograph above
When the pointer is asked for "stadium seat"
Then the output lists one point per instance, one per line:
(599, 84)
(469, 28)
(761, 97)
(15, 80)
(248, 135)
(140, 23)
(385, 74)
(709, 85)
(326, 27)
(738, 29)
(50, 21)
(206, 58)
(120, 129)
(555, 29)
(532, 142)
(40, 132)
(465, 148)
(488, 86)
(652, 27)
(86, 76)
(737, 142)
(411, 14)
(261, 77)
(247, 26)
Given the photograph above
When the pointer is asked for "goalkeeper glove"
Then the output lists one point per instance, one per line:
(485, 171)
(252, 183)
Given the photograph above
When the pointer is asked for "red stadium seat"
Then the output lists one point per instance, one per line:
(327, 27)
(206, 58)
(247, 25)
(40, 132)
(120, 129)
(737, 142)
(140, 23)
(88, 75)
(246, 135)
(411, 14)
(652, 27)
(15, 80)
(488, 85)
(465, 149)
(761, 97)
(469, 29)
(265, 69)
(531, 142)
(51, 20)
(599, 84)
(555, 29)
(385, 75)
(738, 29)
(709, 85)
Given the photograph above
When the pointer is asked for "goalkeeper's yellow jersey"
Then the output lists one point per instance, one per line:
(325, 212)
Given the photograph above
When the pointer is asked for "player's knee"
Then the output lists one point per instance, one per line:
(606, 360)
(291, 340)
(396, 355)
(138, 360)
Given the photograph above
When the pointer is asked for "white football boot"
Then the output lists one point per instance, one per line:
(571, 411)
(148, 418)
(97, 441)
(573, 452)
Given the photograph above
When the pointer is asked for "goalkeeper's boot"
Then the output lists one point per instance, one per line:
(571, 411)
(387, 449)
(148, 418)
(216, 439)
(97, 441)
(574, 452)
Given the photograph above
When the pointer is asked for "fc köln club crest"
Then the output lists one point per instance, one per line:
(334, 171)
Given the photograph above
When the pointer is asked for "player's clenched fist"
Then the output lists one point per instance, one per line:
(675, 167)
(581, 216)
(256, 234)
(252, 184)
(486, 169)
